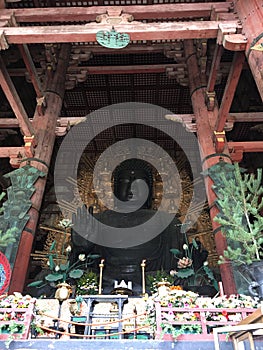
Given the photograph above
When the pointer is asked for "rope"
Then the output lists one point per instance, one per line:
(90, 324)
(91, 336)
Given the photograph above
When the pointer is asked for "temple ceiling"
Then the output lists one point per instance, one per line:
(151, 69)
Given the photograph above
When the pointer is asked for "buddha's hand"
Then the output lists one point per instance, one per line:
(83, 223)
(184, 263)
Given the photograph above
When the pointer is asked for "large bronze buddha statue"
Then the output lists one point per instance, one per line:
(124, 262)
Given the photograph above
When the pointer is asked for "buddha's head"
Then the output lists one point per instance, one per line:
(128, 184)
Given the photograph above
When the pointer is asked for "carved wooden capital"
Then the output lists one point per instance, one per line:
(3, 42)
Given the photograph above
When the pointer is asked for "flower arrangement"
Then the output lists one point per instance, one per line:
(16, 300)
(88, 284)
(190, 303)
(153, 280)
(192, 265)
(16, 314)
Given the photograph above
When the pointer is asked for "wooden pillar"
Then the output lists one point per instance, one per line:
(250, 13)
(44, 127)
(205, 122)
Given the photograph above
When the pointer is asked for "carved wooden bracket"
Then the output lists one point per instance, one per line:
(219, 140)
(178, 72)
(187, 120)
(175, 51)
(114, 16)
(3, 42)
(30, 143)
(230, 39)
(210, 100)
(41, 105)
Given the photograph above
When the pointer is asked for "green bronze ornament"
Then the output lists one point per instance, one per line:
(112, 39)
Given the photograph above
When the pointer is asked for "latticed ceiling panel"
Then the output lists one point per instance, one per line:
(61, 3)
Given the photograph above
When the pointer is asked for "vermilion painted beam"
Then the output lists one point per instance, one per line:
(249, 146)
(219, 49)
(137, 31)
(8, 152)
(14, 100)
(139, 12)
(251, 15)
(230, 89)
(31, 69)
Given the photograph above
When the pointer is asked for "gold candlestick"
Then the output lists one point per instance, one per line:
(101, 265)
(143, 264)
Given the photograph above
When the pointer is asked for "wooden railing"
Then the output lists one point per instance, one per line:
(206, 318)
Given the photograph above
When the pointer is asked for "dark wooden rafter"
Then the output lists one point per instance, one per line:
(24, 51)
(139, 12)
(155, 68)
(15, 102)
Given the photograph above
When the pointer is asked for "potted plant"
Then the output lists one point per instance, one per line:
(240, 204)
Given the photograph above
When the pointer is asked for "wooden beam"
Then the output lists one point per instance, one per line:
(219, 49)
(155, 68)
(249, 146)
(33, 77)
(205, 121)
(11, 152)
(248, 117)
(230, 89)
(139, 12)
(251, 15)
(137, 31)
(14, 100)
(245, 117)
(210, 90)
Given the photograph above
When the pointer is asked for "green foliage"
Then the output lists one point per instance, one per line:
(14, 329)
(176, 331)
(203, 275)
(160, 276)
(8, 236)
(240, 200)
(88, 284)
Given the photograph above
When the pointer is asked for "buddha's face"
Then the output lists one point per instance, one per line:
(132, 187)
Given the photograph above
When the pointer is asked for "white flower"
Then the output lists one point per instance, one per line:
(173, 272)
(68, 249)
(185, 247)
(48, 263)
(205, 263)
(57, 268)
(65, 223)
(82, 257)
